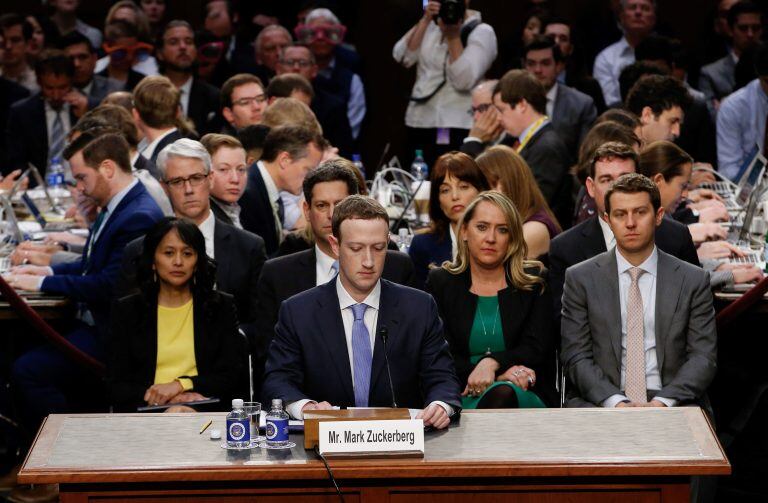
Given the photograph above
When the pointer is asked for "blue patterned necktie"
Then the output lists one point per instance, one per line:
(361, 356)
(334, 268)
(57, 138)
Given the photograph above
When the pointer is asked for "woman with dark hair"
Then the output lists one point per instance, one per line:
(175, 340)
(455, 181)
(496, 310)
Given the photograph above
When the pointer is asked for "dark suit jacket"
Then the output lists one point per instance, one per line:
(296, 242)
(239, 258)
(331, 113)
(91, 281)
(549, 160)
(256, 210)
(167, 140)
(10, 93)
(697, 136)
(308, 357)
(101, 86)
(26, 134)
(219, 350)
(686, 340)
(134, 78)
(219, 213)
(572, 116)
(526, 322)
(284, 277)
(429, 250)
(474, 148)
(144, 163)
(585, 240)
(203, 107)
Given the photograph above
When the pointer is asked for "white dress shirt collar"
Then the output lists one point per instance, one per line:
(134, 158)
(269, 183)
(149, 150)
(608, 237)
(207, 227)
(649, 265)
(185, 90)
(346, 300)
(454, 243)
(530, 129)
(323, 267)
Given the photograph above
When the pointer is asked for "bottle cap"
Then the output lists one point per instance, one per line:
(276, 402)
(215, 434)
(237, 403)
(419, 153)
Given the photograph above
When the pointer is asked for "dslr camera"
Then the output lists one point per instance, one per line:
(452, 11)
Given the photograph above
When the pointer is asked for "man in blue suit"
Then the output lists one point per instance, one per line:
(46, 379)
(330, 340)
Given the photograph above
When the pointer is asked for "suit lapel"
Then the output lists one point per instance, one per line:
(607, 291)
(332, 334)
(668, 290)
(593, 243)
(221, 242)
(387, 318)
(306, 274)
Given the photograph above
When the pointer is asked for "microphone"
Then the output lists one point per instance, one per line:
(384, 336)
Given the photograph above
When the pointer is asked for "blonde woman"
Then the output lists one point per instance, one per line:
(496, 311)
(508, 173)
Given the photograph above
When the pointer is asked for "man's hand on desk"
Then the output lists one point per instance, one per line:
(31, 270)
(701, 174)
(434, 416)
(743, 273)
(714, 212)
(54, 238)
(703, 196)
(21, 256)
(25, 282)
(716, 250)
(316, 406)
(707, 232)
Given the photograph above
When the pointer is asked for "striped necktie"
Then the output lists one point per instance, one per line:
(57, 137)
(361, 356)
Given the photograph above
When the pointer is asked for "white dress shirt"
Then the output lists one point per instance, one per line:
(370, 318)
(291, 208)
(608, 66)
(323, 267)
(27, 78)
(207, 228)
(608, 237)
(647, 284)
(185, 89)
(149, 149)
(551, 97)
(273, 194)
(451, 106)
(454, 243)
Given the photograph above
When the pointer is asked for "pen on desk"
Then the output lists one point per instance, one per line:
(205, 426)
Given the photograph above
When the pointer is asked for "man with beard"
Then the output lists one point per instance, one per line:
(177, 55)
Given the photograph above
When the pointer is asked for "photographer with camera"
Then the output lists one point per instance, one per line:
(452, 49)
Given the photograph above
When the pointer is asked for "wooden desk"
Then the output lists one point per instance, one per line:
(48, 307)
(523, 455)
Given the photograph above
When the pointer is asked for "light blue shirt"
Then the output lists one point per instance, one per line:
(608, 66)
(740, 125)
(647, 284)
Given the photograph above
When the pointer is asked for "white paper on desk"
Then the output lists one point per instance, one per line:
(413, 412)
(30, 227)
(263, 420)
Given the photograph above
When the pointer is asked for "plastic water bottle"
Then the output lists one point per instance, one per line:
(55, 177)
(277, 425)
(238, 427)
(358, 164)
(419, 168)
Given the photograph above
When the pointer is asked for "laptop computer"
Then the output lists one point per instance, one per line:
(747, 177)
(40, 219)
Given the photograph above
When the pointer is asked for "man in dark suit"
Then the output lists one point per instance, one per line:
(290, 152)
(93, 87)
(328, 348)
(186, 171)
(10, 93)
(46, 379)
(156, 106)
(638, 325)
(594, 236)
(487, 129)
(522, 102)
(177, 57)
(285, 276)
(572, 112)
(37, 126)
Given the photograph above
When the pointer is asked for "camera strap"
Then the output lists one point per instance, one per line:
(466, 30)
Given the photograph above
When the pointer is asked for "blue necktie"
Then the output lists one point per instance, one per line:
(334, 268)
(57, 138)
(361, 356)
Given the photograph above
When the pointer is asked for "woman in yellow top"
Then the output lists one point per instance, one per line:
(176, 339)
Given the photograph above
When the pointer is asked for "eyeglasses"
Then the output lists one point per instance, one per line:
(121, 52)
(244, 102)
(331, 33)
(481, 108)
(301, 63)
(194, 180)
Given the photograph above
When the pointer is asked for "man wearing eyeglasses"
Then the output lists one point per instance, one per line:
(243, 101)
(185, 167)
(487, 130)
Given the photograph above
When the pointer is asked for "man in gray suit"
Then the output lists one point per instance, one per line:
(638, 325)
(93, 87)
(572, 112)
(717, 80)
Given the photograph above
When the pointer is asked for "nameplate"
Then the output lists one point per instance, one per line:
(396, 437)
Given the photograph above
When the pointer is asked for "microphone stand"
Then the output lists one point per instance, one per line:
(384, 336)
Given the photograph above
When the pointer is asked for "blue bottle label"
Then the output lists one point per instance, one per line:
(238, 430)
(277, 430)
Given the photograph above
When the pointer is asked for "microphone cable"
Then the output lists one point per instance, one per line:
(330, 473)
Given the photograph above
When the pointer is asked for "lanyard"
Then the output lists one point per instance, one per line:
(534, 128)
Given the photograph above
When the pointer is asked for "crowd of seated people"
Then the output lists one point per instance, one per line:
(222, 219)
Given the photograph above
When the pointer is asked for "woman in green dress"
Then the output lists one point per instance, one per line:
(496, 310)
